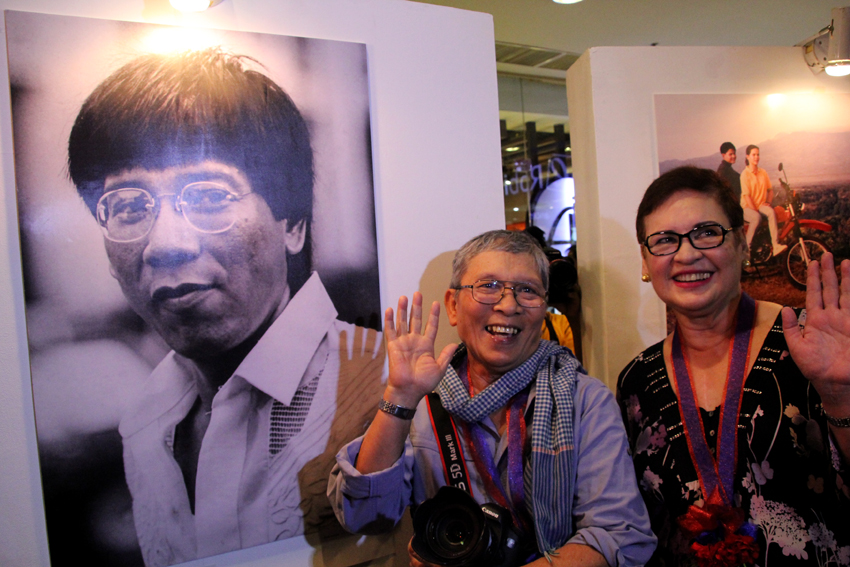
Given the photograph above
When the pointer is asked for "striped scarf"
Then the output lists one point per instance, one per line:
(552, 447)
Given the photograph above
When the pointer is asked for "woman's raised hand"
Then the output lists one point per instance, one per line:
(414, 370)
(822, 350)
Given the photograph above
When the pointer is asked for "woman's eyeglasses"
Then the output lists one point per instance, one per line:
(702, 237)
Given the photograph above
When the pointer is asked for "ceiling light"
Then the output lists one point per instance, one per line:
(566, 1)
(837, 70)
(193, 5)
(829, 49)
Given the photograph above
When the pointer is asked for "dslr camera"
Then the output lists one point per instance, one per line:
(451, 529)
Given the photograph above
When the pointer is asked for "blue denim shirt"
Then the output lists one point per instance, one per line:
(608, 513)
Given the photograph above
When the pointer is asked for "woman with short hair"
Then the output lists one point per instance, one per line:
(739, 420)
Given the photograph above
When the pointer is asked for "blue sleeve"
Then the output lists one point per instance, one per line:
(609, 512)
(370, 503)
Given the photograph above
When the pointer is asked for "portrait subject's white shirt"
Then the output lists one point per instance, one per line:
(251, 490)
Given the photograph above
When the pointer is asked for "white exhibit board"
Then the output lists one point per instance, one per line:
(437, 175)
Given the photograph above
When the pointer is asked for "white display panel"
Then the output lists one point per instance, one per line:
(437, 175)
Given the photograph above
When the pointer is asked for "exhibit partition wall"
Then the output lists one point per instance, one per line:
(93, 289)
(622, 102)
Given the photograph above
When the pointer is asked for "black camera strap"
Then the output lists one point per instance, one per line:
(454, 465)
(553, 336)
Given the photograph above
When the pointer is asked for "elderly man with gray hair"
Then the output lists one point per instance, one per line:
(514, 421)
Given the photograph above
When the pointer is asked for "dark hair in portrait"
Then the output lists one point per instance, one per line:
(688, 178)
(750, 148)
(726, 146)
(160, 111)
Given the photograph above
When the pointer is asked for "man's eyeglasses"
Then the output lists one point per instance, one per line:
(491, 292)
(702, 237)
(128, 214)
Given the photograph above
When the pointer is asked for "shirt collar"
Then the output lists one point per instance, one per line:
(276, 365)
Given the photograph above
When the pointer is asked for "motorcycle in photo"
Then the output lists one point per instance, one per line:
(803, 248)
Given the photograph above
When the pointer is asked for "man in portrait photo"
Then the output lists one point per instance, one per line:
(199, 171)
(729, 156)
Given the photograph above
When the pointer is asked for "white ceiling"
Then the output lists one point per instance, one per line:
(576, 27)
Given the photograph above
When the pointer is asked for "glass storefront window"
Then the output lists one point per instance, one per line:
(536, 159)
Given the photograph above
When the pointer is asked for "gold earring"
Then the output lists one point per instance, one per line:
(645, 278)
(747, 263)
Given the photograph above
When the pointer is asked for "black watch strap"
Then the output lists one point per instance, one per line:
(398, 411)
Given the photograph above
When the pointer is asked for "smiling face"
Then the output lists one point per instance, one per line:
(205, 294)
(754, 157)
(694, 282)
(498, 337)
(730, 156)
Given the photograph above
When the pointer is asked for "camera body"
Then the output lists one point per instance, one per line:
(451, 529)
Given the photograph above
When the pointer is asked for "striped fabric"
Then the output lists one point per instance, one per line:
(552, 463)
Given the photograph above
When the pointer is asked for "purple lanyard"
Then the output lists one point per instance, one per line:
(716, 475)
(484, 462)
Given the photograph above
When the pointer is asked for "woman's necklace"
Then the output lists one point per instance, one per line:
(716, 474)
(717, 529)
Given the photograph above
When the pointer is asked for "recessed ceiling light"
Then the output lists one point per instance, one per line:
(566, 1)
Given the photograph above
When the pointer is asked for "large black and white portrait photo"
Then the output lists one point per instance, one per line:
(197, 228)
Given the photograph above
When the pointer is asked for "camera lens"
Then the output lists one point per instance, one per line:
(453, 532)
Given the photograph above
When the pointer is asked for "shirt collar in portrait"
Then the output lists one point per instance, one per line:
(278, 363)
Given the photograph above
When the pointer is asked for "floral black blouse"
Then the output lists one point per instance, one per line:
(789, 481)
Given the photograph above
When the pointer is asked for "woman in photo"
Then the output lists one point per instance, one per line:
(757, 199)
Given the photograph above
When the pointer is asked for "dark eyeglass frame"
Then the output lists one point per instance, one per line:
(155, 205)
(690, 236)
(472, 287)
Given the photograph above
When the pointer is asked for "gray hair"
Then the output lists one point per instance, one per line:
(509, 241)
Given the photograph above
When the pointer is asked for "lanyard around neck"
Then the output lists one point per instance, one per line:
(484, 461)
(716, 475)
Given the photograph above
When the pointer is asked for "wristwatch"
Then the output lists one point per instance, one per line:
(398, 411)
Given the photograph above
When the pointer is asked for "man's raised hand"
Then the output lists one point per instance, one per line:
(414, 369)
